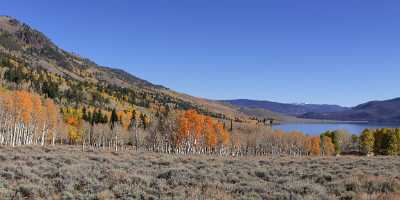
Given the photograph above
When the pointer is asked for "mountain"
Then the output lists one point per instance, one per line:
(285, 108)
(373, 111)
(29, 60)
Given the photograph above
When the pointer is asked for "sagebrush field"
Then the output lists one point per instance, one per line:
(67, 172)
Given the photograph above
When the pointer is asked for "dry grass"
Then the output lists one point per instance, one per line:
(66, 172)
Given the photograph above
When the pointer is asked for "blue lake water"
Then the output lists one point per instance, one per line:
(316, 129)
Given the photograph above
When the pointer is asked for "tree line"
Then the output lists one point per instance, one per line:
(384, 141)
(27, 118)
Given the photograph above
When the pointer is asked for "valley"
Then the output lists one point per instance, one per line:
(73, 129)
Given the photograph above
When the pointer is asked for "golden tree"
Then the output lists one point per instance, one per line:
(327, 146)
(223, 135)
(367, 141)
(209, 133)
(315, 146)
(51, 118)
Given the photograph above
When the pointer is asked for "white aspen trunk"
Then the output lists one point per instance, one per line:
(53, 141)
(43, 134)
(13, 135)
(83, 145)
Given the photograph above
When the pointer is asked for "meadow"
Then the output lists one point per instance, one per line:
(67, 172)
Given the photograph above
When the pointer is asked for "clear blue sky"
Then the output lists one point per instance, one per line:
(339, 51)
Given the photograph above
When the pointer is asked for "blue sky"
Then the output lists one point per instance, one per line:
(343, 52)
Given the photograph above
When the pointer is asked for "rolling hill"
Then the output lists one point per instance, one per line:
(373, 111)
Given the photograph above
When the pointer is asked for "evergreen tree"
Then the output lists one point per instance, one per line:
(113, 119)
(143, 120)
(84, 114)
(14, 74)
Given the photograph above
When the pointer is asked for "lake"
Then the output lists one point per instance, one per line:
(318, 128)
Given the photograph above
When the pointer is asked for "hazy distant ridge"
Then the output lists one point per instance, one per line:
(286, 108)
(373, 111)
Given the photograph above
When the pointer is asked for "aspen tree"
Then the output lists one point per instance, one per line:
(39, 112)
(210, 136)
(315, 146)
(328, 147)
(51, 119)
(367, 141)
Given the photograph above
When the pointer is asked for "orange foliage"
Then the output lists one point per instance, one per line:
(200, 130)
(184, 128)
(24, 104)
(125, 118)
(38, 109)
(315, 146)
(210, 135)
(71, 120)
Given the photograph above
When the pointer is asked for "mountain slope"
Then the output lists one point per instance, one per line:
(38, 50)
(373, 111)
(284, 108)
(29, 60)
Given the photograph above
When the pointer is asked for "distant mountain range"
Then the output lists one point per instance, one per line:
(386, 111)
(373, 111)
(286, 108)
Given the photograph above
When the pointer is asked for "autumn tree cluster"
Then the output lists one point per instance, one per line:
(26, 118)
(199, 133)
(265, 141)
(342, 141)
(98, 128)
(383, 141)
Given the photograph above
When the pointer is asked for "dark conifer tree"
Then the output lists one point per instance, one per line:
(113, 119)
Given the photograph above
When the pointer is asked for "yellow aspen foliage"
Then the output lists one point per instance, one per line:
(328, 146)
(73, 134)
(125, 118)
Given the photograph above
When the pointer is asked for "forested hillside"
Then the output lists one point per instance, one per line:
(94, 105)
(30, 61)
